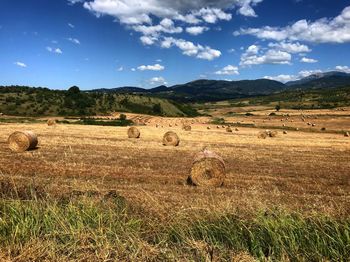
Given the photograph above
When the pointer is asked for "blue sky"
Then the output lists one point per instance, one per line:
(111, 43)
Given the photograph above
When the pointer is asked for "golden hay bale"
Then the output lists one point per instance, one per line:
(133, 132)
(285, 132)
(51, 122)
(347, 134)
(21, 141)
(228, 129)
(187, 127)
(171, 139)
(236, 129)
(208, 127)
(208, 169)
(262, 134)
(273, 133)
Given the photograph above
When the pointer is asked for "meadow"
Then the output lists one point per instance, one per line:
(88, 193)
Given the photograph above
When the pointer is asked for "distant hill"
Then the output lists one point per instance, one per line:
(27, 101)
(321, 80)
(208, 90)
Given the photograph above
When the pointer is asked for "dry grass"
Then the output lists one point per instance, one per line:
(300, 172)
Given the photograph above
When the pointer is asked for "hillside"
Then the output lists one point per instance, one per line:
(302, 99)
(217, 90)
(26, 101)
(207, 90)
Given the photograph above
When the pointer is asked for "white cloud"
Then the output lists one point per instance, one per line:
(54, 50)
(196, 30)
(120, 69)
(165, 26)
(254, 56)
(324, 30)
(71, 25)
(190, 49)
(246, 7)
(133, 69)
(157, 81)
(344, 69)
(308, 60)
(306, 73)
(72, 2)
(292, 48)
(228, 70)
(148, 40)
(74, 40)
(20, 64)
(138, 15)
(281, 78)
(139, 12)
(156, 67)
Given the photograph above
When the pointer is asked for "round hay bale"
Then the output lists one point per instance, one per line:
(51, 122)
(272, 133)
(262, 134)
(285, 132)
(171, 139)
(208, 169)
(228, 129)
(347, 134)
(208, 127)
(236, 129)
(133, 132)
(187, 127)
(21, 141)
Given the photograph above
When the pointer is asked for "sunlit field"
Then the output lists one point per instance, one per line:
(90, 192)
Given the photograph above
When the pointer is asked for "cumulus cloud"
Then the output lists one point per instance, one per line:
(228, 70)
(255, 56)
(54, 50)
(196, 30)
(138, 12)
(20, 64)
(74, 40)
(344, 69)
(190, 49)
(292, 48)
(120, 69)
(308, 60)
(324, 30)
(157, 81)
(139, 16)
(71, 25)
(281, 78)
(156, 67)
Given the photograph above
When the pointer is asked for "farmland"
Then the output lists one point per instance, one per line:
(127, 199)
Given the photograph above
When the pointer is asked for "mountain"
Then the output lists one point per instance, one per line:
(207, 90)
(320, 80)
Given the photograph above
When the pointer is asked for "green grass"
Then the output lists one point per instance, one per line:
(92, 226)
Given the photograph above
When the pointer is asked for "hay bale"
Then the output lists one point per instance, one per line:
(51, 122)
(347, 134)
(133, 132)
(273, 133)
(262, 135)
(228, 129)
(208, 169)
(171, 139)
(208, 127)
(236, 129)
(186, 127)
(285, 132)
(21, 141)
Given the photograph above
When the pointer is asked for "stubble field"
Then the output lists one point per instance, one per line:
(302, 173)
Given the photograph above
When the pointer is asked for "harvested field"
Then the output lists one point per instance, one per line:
(301, 171)
(96, 174)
